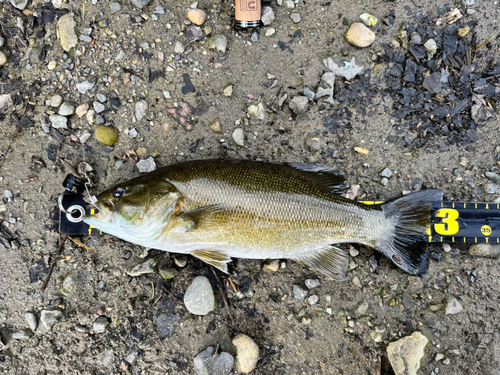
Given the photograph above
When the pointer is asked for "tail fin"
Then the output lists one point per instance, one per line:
(410, 215)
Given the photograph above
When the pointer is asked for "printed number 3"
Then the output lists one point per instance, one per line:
(449, 224)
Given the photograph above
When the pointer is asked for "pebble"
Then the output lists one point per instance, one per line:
(485, 250)
(431, 46)
(247, 353)
(309, 93)
(159, 10)
(368, 19)
(98, 107)
(66, 32)
(295, 17)
(258, 111)
(107, 135)
(195, 33)
(254, 37)
(141, 3)
(5, 101)
(272, 265)
(166, 94)
(312, 300)
(490, 189)
(133, 133)
(22, 334)
(218, 42)
(462, 32)
(55, 101)
(215, 126)
(3, 58)
(312, 283)
(68, 284)
(239, 137)
(179, 48)
(19, 4)
(387, 173)
(50, 317)
(270, 32)
(199, 298)
(8, 194)
(31, 319)
(446, 247)
(197, 16)
(180, 260)
(2, 41)
(100, 324)
(141, 107)
(468, 3)
(267, 16)
(147, 165)
(115, 7)
(144, 267)
(168, 273)
(299, 293)
(452, 306)
(85, 86)
(66, 109)
(493, 177)
(82, 109)
(299, 104)
(290, 4)
(406, 353)
(58, 121)
(108, 358)
(359, 35)
(228, 90)
(208, 363)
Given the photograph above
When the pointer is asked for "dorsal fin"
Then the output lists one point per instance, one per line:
(323, 175)
(329, 261)
(216, 258)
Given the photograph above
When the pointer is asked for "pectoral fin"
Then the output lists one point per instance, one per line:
(207, 216)
(330, 262)
(216, 258)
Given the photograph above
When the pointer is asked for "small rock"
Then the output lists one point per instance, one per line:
(180, 260)
(384, 181)
(408, 301)
(2, 41)
(159, 10)
(3, 58)
(299, 293)
(485, 250)
(360, 309)
(247, 353)
(446, 247)
(468, 3)
(195, 33)
(289, 4)
(493, 177)
(239, 137)
(50, 317)
(22, 334)
(387, 173)
(144, 267)
(58, 121)
(228, 90)
(272, 265)
(368, 19)
(406, 353)
(179, 48)
(258, 111)
(66, 32)
(356, 282)
(98, 107)
(313, 143)
(147, 165)
(215, 126)
(31, 319)
(299, 104)
(68, 284)
(312, 283)
(66, 109)
(267, 16)
(115, 7)
(197, 16)
(208, 363)
(51, 65)
(199, 298)
(218, 42)
(270, 32)
(82, 109)
(462, 32)
(416, 38)
(166, 94)
(8, 194)
(359, 35)
(490, 189)
(308, 93)
(5, 101)
(452, 306)
(102, 98)
(312, 300)
(168, 272)
(439, 356)
(100, 324)
(141, 3)
(19, 4)
(55, 101)
(85, 86)
(108, 358)
(431, 46)
(106, 135)
(141, 107)
(295, 17)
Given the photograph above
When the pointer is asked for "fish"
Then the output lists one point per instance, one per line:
(218, 209)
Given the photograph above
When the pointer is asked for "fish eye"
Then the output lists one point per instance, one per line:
(118, 192)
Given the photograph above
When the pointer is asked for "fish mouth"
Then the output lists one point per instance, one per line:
(104, 215)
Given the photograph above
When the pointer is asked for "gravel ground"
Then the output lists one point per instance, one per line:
(171, 91)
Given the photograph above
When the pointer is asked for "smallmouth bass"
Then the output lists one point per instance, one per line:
(218, 209)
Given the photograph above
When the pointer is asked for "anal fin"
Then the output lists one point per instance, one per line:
(216, 258)
(330, 262)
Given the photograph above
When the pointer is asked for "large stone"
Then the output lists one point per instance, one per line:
(66, 32)
(199, 298)
(247, 353)
(406, 353)
(359, 35)
(485, 250)
(106, 135)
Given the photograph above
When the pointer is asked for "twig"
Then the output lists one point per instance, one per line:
(53, 263)
(232, 284)
(226, 303)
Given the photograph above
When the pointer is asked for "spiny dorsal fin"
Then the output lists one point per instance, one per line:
(323, 175)
(216, 258)
(203, 216)
(330, 262)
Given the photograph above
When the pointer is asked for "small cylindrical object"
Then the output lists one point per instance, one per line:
(247, 13)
